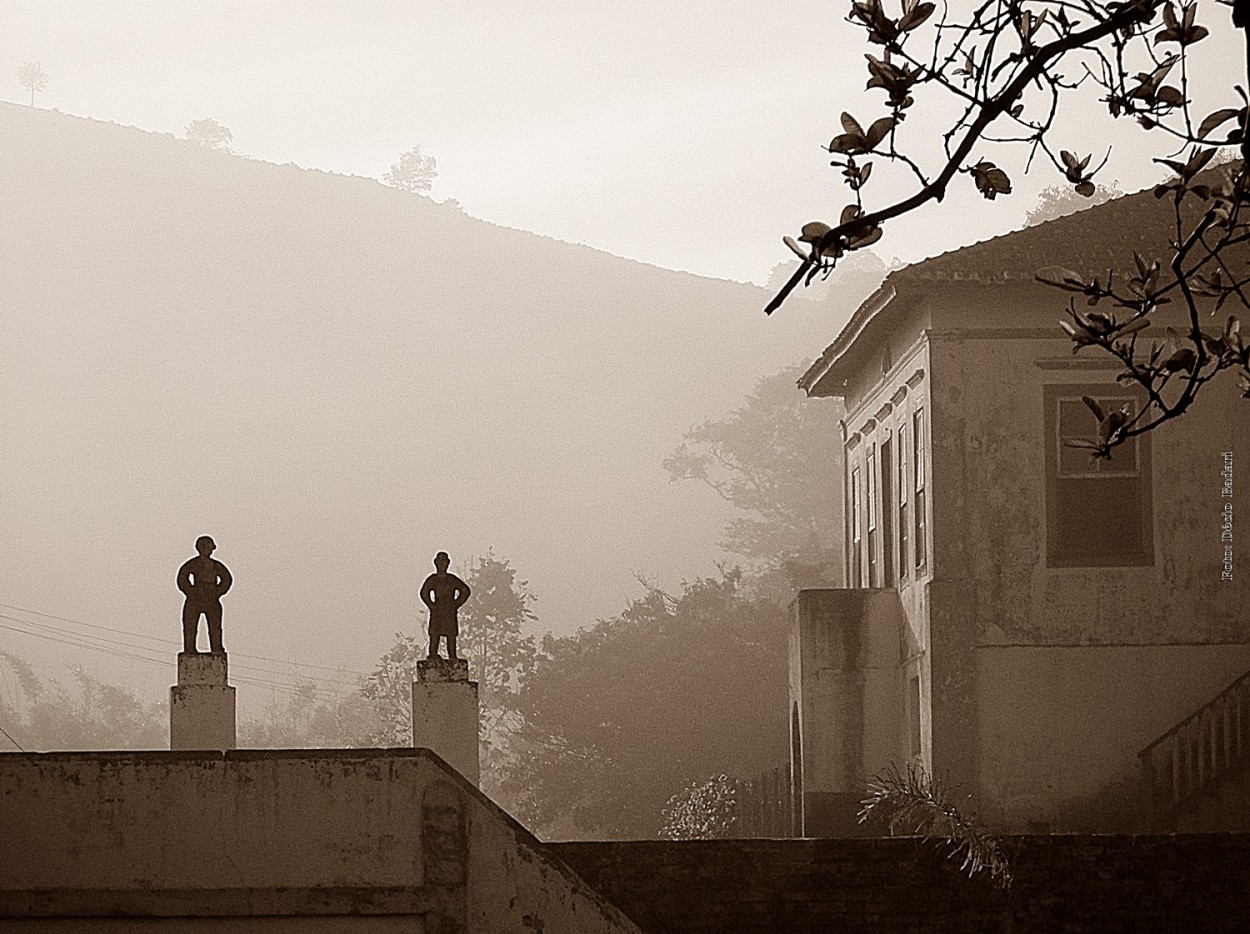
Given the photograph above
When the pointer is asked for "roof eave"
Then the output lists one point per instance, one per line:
(817, 381)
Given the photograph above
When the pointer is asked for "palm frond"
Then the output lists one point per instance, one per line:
(911, 801)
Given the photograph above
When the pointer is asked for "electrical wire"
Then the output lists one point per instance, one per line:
(137, 635)
(77, 640)
(90, 641)
(11, 739)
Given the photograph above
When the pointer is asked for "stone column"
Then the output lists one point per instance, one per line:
(201, 705)
(445, 713)
(846, 702)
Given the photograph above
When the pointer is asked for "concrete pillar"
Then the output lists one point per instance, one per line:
(201, 705)
(846, 702)
(445, 713)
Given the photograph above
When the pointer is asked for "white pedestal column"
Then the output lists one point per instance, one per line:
(445, 714)
(201, 706)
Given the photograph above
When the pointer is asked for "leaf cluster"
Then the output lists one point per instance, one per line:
(910, 801)
(1206, 269)
(1010, 69)
(703, 810)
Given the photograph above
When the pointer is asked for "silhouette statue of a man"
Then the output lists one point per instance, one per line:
(444, 594)
(203, 580)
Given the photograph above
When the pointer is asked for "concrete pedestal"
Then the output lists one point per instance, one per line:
(201, 706)
(445, 713)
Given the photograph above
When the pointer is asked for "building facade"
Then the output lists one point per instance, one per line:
(1020, 618)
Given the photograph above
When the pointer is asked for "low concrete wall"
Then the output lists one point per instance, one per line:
(1070, 884)
(288, 839)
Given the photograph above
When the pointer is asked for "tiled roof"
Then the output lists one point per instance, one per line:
(1089, 241)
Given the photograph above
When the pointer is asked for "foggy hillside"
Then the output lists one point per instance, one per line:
(335, 379)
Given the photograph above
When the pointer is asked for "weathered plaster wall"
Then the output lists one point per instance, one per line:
(876, 360)
(516, 885)
(212, 821)
(1044, 726)
(989, 510)
(206, 839)
(883, 397)
(1060, 728)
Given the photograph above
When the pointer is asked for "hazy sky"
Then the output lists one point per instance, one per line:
(684, 134)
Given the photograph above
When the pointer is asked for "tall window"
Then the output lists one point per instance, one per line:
(902, 500)
(914, 745)
(918, 468)
(1098, 512)
(886, 466)
(870, 469)
(857, 554)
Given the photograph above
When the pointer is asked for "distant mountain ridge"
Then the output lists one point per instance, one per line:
(337, 378)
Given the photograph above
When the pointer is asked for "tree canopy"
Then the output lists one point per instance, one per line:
(1057, 201)
(42, 715)
(307, 717)
(621, 716)
(774, 460)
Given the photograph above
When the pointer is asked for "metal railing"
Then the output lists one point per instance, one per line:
(1196, 753)
(765, 805)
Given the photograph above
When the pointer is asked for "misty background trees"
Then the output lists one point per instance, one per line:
(1057, 201)
(772, 459)
(39, 714)
(492, 638)
(591, 734)
(620, 716)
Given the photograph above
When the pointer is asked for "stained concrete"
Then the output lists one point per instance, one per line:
(202, 704)
(446, 713)
(293, 840)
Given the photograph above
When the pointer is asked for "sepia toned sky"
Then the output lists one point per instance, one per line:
(683, 134)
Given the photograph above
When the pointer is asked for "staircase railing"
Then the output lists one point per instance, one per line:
(1197, 752)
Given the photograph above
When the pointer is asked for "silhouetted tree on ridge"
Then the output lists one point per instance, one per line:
(33, 78)
(413, 172)
(210, 134)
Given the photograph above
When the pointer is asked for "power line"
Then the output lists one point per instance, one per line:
(11, 739)
(77, 640)
(66, 619)
(90, 641)
(138, 635)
